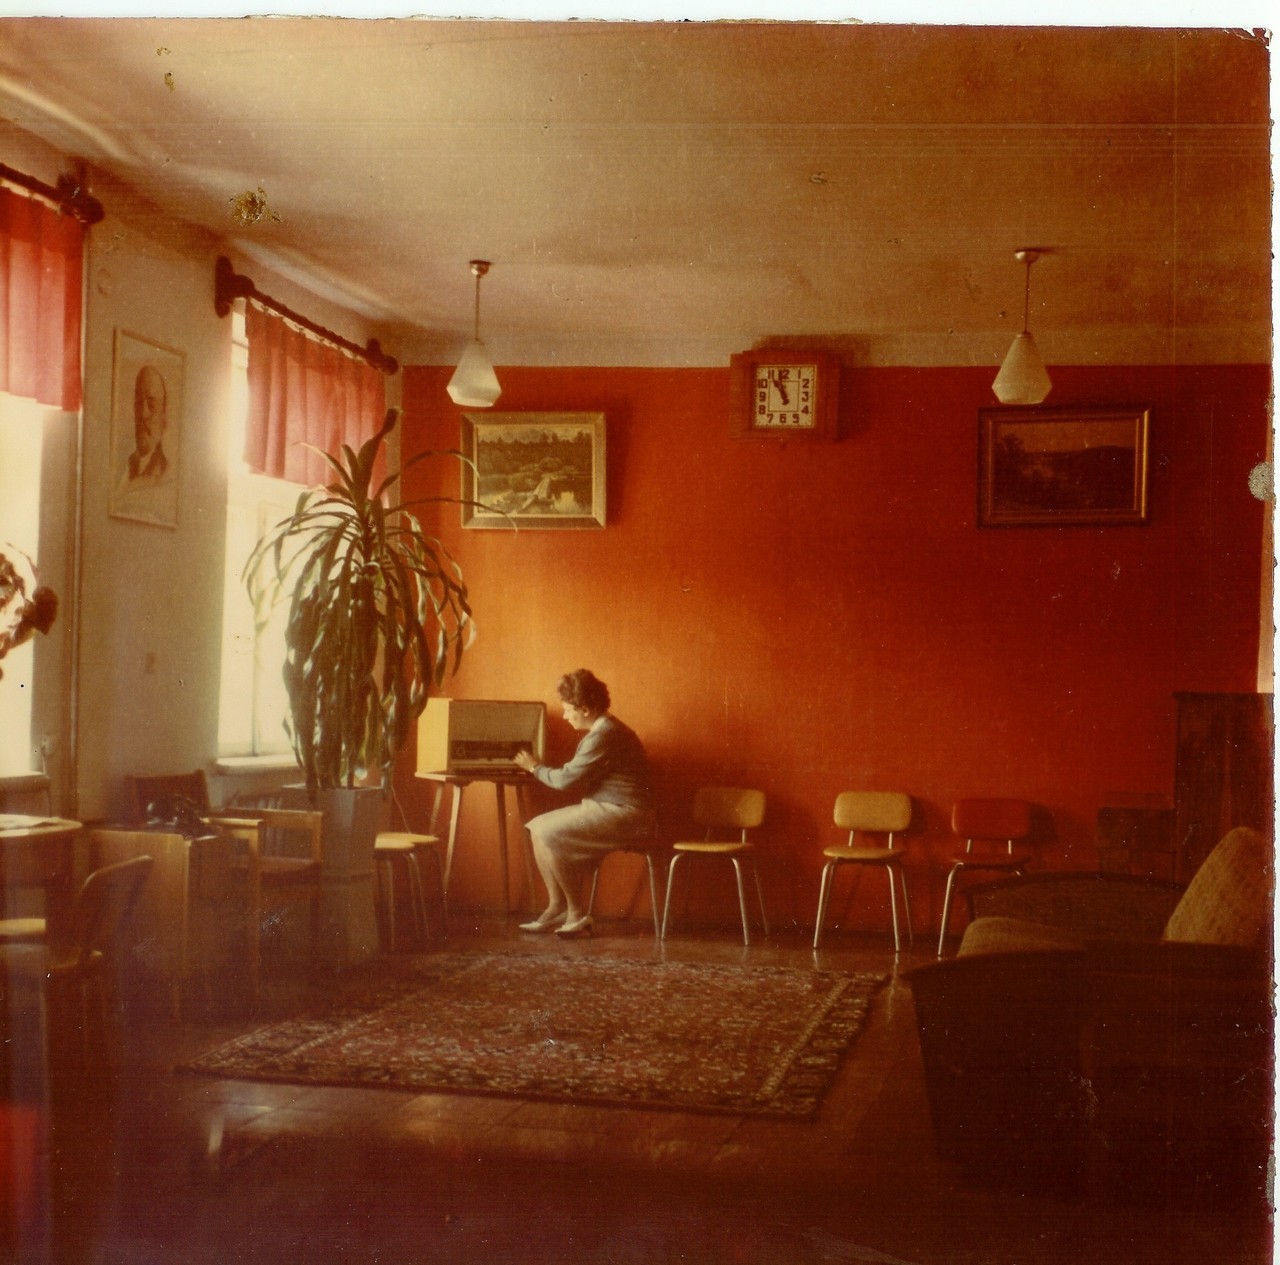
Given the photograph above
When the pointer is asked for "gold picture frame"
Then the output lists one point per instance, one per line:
(147, 397)
(533, 470)
(1057, 467)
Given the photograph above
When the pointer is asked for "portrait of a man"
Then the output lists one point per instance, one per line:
(147, 461)
(146, 410)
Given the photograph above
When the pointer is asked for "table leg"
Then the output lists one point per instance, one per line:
(502, 844)
(454, 814)
(435, 808)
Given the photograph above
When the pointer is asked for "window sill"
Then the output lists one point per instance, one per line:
(233, 764)
(16, 783)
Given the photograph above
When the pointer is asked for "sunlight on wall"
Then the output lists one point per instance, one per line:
(252, 698)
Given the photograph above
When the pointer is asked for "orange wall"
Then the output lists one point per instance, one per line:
(812, 619)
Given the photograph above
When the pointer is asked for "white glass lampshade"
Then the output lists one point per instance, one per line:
(474, 383)
(1022, 378)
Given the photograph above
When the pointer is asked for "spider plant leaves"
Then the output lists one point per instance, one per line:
(378, 614)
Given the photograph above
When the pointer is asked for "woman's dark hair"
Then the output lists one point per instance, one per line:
(582, 689)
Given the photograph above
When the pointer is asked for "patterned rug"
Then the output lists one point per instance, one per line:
(748, 1040)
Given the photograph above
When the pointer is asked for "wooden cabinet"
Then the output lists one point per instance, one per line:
(1223, 775)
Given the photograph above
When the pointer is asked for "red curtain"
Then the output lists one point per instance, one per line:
(303, 391)
(41, 269)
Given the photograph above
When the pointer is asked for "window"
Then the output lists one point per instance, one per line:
(253, 703)
(22, 432)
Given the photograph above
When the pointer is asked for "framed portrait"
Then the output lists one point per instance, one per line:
(147, 386)
(1062, 466)
(533, 470)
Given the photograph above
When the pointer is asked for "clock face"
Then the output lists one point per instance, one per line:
(785, 396)
(782, 393)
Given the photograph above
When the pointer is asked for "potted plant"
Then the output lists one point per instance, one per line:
(377, 615)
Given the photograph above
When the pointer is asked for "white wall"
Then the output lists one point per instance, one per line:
(150, 598)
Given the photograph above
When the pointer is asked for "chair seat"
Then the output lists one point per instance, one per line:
(289, 870)
(992, 861)
(57, 962)
(866, 856)
(22, 930)
(713, 847)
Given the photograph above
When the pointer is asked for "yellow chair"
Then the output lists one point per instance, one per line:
(720, 809)
(997, 824)
(82, 967)
(879, 812)
(391, 846)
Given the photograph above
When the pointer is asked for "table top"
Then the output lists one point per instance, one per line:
(511, 776)
(18, 826)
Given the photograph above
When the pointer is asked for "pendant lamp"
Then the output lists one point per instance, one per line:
(1022, 378)
(474, 383)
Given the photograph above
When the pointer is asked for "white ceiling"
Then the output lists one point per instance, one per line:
(669, 193)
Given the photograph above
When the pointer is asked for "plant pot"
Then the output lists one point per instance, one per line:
(348, 918)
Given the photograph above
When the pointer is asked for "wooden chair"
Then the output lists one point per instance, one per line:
(82, 968)
(995, 824)
(880, 812)
(272, 878)
(721, 810)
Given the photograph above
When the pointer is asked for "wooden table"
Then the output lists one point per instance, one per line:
(501, 779)
(40, 852)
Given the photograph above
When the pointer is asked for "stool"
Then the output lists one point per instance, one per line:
(393, 845)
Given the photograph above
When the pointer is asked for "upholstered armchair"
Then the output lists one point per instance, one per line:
(1110, 1027)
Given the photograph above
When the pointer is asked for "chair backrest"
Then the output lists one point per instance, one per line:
(149, 790)
(1003, 820)
(104, 904)
(291, 832)
(728, 807)
(885, 812)
(1229, 899)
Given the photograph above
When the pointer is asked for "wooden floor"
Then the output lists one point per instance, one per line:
(146, 1165)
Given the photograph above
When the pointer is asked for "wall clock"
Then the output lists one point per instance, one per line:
(784, 393)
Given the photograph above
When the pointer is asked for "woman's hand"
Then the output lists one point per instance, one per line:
(525, 760)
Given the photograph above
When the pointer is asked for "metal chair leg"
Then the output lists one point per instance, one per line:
(893, 909)
(742, 902)
(653, 893)
(666, 904)
(946, 908)
(906, 906)
(764, 917)
(824, 895)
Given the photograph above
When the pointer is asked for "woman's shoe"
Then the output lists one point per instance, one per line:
(579, 927)
(543, 924)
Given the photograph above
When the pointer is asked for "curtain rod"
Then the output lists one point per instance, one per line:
(229, 285)
(68, 195)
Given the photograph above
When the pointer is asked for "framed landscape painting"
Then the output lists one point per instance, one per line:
(533, 470)
(1062, 466)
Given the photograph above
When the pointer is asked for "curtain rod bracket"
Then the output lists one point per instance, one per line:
(69, 195)
(229, 285)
